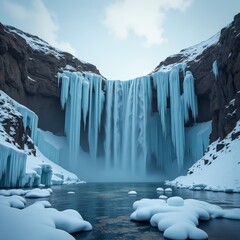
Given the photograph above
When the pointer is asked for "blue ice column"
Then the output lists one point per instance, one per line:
(177, 115)
(197, 140)
(30, 119)
(71, 96)
(160, 80)
(215, 69)
(85, 100)
(117, 123)
(135, 136)
(190, 98)
(167, 84)
(109, 86)
(12, 166)
(95, 111)
(116, 101)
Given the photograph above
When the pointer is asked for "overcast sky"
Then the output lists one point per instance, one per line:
(123, 38)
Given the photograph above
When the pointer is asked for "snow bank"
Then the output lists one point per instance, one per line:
(178, 218)
(13, 201)
(33, 193)
(38, 222)
(37, 192)
(221, 161)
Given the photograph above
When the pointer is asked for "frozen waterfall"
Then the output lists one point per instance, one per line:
(123, 130)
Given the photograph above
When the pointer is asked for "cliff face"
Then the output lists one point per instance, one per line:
(28, 73)
(29, 67)
(219, 97)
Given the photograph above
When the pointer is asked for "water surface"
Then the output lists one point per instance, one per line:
(107, 207)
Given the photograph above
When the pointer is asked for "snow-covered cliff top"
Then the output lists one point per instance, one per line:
(192, 53)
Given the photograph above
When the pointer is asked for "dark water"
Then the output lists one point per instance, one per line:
(107, 207)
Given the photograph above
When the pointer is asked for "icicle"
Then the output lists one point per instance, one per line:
(12, 166)
(215, 69)
(85, 100)
(75, 115)
(71, 99)
(117, 120)
(135, 123)
(161, 83)
(30, 119)
(190, 99)
(64, 90)
(108, 122)
(95, 111)
(177, 116)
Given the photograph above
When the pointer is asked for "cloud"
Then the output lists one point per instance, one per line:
(144, 18)
(38, 20)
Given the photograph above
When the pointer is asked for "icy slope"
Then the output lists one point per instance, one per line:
(218, 169)
(21, 163)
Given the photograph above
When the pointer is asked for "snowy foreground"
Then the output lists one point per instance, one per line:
(37, 221)
(175, 217)
(218, 169)
(178, 218)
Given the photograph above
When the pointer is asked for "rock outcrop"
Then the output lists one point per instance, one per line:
(219, 97)
(28, 73)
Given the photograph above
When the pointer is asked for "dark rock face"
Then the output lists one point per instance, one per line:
(215, 94)
(220, 146)
(29, 76)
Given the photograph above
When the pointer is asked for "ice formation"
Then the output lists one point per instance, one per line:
(215, 69)
(24, 166)
(121, 129)
(133, 133)
(53, 147)
(12, 166)
(30, 119)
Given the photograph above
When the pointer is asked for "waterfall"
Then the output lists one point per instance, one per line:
(133, 135)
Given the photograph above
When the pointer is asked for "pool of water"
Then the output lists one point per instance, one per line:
(107, 207)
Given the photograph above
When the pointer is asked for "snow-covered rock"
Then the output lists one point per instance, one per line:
(221, 161)
(38, 222)
(175, 201)
(33, 193)
(37, 193)
(178, 218)
(132, 193)
(168, 190)
(163, 197)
